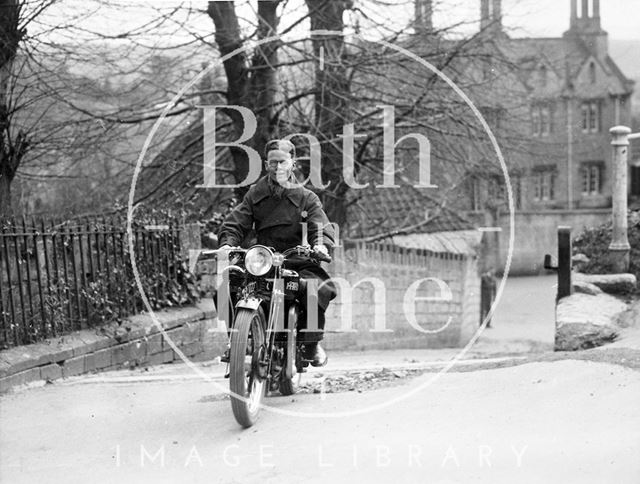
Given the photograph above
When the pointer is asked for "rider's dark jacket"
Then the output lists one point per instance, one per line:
(278, 221)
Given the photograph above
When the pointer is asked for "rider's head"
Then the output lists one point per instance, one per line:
(280, 160)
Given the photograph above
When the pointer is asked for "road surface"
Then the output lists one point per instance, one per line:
(563, 421)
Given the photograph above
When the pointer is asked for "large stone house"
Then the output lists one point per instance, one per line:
(551, 102)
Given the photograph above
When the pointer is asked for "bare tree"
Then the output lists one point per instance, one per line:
(13, 144)
(314, 85)
(250, 79)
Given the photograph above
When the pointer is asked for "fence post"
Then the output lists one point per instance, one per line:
(619, 248)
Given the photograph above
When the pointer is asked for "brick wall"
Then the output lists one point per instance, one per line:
(394, 270)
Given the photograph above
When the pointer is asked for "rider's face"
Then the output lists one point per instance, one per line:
(279, 165)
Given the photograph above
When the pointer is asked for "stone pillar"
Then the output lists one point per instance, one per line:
(619, 247)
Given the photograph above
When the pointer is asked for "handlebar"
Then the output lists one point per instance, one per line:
(298, 250)
(308, 251)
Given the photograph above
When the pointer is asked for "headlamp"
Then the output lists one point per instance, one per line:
(258, 260)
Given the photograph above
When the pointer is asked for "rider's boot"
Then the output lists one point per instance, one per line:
(316, 354)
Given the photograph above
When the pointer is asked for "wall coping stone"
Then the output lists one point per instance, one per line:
(55, 350)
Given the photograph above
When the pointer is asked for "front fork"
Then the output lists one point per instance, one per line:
(290, 367)
(275, 315)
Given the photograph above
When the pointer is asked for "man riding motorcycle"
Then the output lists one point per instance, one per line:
(277, 206)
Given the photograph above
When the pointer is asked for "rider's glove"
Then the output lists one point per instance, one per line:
(321, 248)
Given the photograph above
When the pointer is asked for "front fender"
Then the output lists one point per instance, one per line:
(252, 303)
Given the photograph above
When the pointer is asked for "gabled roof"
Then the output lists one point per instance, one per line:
(567, 55)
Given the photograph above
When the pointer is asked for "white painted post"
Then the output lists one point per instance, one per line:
(619, 248)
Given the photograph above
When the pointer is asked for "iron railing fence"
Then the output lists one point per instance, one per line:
(57, 277)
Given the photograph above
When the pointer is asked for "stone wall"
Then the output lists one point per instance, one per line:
(136, 342)
(451, 323)
(536, 234)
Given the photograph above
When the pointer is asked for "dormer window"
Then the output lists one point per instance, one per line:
(543, 76)
(592, 72)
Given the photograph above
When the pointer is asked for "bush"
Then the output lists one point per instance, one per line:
(594, 243)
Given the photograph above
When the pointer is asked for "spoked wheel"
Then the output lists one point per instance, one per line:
(247, 378)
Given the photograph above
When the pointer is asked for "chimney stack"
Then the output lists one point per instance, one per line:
(587, 26)
(423, 16)
(491, 15)
(585, 9)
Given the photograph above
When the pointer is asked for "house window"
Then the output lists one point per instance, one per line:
(516, 190)
(543, 76)
(545, 121)
(535, 121)
(590, 117)
(592, 179)
(497, 192)
(542, 120)
(476, 194)
(493, 116)
(487, 70)
(592, 73)
(543, 185)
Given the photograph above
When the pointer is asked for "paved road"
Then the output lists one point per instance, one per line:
(526, 310)
(563, 422)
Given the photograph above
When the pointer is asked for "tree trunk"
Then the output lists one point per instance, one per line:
(254, 87)
(263, 79)
(5, 196)
(11, 151)
(331, 99)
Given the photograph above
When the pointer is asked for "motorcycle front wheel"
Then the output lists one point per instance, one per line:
(247, 380)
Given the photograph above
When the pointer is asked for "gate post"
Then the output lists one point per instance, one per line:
(619, 248)
(564, 262)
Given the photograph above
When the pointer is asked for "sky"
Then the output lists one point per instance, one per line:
(621, 18)
(521, 18)
(550, 18)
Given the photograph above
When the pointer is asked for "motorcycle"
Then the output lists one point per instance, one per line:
(264, 353)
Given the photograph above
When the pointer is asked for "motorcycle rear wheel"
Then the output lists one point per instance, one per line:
(289, 386)
(247, 347)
